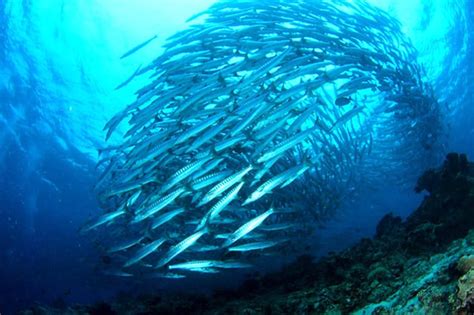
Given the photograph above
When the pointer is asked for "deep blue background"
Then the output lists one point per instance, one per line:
(59, 62)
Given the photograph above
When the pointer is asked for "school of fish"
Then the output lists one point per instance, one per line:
(257, 121)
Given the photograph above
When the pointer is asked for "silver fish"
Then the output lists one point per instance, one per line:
(144, 251)
(157, 205)
(105, 218)
(247, 228)
(253, 246)
(180, 247)
(162, 219)
(126, 244)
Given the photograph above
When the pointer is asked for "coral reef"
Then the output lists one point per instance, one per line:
(423, 265)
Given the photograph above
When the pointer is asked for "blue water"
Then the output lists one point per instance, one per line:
(60, 62)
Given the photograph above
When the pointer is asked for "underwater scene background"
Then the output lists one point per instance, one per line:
(60, 66)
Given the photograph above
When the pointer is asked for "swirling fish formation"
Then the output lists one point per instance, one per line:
(257, 121)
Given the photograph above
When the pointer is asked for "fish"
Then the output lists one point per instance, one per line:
(342, 101)
(347, 116)
(286, 145)
(125, 244)
(204, 248)
(200, 264)
(205, 181)
(180, 247)
(196, 129)
(224, 185)
(127, 187)
(167, 275)
(129, 79)
(300, 170)
(118, 273)
(281, 179)
(157, 205)
(253, 246)
(204, 270)
(278, 227)
(133, 198)
(210, 166)
(168, 216)
(219, 206)
(182, 173)
(247, 228)
(103, 219)
(138, 47)
(144, 251)
(222, 203)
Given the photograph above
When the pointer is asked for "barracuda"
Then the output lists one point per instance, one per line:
(286, 176)
(199, 264)
(144, 251)
(125, 245)
(253, 246)
(157, 205)
(180, 247)
(224, 185)
(106, 218)
(247, 228)
(286, 145)
(165, 218)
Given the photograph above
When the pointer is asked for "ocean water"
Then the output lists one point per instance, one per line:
(60, 64)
